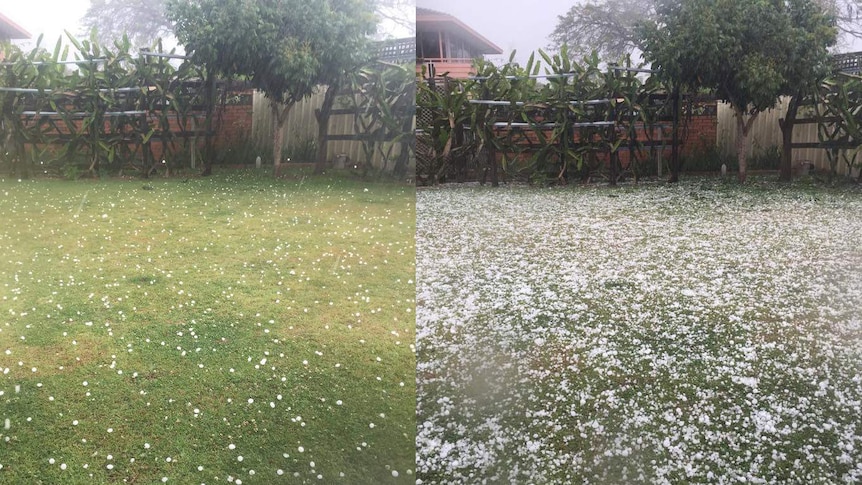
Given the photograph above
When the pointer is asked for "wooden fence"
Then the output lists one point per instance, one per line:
(766, 133)
(301, 127)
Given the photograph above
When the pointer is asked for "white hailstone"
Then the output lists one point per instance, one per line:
(239, 458)
(169, 459)
(250, 400)
(301, 449)
(231, 446)
(197, 411)
(200, 468)
(278, 397)
(394, 473)
(338, 402)
(251, 472)
(62, 466)
(110, 430)
(271, 404)
(147, 446)
(50, 461)
(109, 466)
(311, 464)
(371, 425)
(164, 479)
(279, 472)
(109, 457)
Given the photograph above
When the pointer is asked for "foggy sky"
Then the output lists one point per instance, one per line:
(49, 17)
(52, 17)
(512, 25)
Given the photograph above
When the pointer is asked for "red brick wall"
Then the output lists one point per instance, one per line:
(232, 125)
(698, 134)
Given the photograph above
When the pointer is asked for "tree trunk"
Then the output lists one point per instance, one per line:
(279, 117)
(277, 140)
(401, 166)
(495, 179)
(322, 116)
(742, 129)
(786, 125)
(209, 149)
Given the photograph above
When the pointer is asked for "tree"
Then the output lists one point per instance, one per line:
(848, 15)
(348, 51)
(145, 20)
(749, 52)
(611, 26)
(607, 26)
(399, 13)
(142, 20)
(285, 48)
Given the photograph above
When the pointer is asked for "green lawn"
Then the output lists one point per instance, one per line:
(235, 329)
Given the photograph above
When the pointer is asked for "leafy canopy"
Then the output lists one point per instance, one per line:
(284, 47)
(606, 26)
(749, 52)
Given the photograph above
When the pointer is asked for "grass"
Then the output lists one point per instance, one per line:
(694, 333)
(235, 328)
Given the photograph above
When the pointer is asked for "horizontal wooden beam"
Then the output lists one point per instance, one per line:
(826, 145)
(811, 121)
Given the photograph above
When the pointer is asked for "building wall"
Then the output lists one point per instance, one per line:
(456, 68)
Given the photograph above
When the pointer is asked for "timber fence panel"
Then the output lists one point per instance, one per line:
(301, 126)
(766, 132)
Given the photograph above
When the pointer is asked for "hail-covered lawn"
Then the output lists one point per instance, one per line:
(234, 329)
(658, 334)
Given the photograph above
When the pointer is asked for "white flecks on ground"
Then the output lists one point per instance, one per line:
(662, 334)
(157, 253)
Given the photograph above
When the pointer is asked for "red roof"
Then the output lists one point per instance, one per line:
(427, 19)
(11, 30)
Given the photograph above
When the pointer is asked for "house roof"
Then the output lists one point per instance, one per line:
(427, 19)
(11, 30)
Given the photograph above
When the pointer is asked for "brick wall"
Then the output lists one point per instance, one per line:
(698, 134)
(232, 124)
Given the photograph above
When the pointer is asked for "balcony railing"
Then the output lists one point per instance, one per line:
(445, 60)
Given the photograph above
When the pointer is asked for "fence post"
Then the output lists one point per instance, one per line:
(674, 149)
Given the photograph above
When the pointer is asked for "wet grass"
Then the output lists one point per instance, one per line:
(235, 328)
